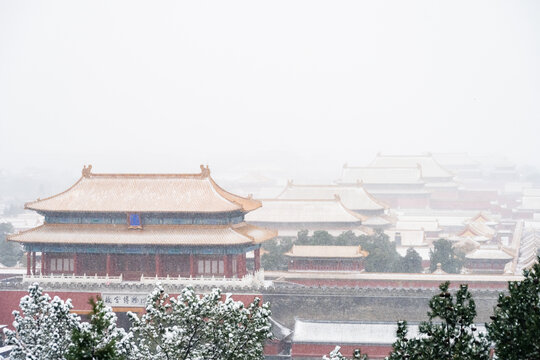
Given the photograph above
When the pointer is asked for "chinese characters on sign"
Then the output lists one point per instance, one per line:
(124, 300)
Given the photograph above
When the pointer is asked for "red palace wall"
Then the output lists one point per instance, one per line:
(488, 266)
(275, 347)
(9, 301)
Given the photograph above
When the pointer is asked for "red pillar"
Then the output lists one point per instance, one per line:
(257, 259)
(191, 265)
(43, 261)
(241, 265)
(28, 262)
(108, 266)
(75, 264)
(159, 266)
(34, 262)
(227, 266)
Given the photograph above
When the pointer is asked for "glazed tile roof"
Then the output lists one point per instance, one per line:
(354, 197)
(321, 251)
(360, 230)
(408, 237)
(303, 211)
(477, 229)
(430, 168)
(531, 199)
(342, 333)
(376, 221)
(380, 175)
(100, 234)
(145, 193)
(456, 160)
(528, 250)
(489, 253)
(418, 225)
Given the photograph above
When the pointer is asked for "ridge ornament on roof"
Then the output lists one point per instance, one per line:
(86, 171)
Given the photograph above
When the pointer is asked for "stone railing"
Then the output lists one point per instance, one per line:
(255, 280)
(71, 279)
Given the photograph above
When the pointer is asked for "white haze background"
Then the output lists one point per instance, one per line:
(301, 86)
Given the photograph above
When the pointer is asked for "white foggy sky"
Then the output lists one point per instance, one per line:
(167, 85)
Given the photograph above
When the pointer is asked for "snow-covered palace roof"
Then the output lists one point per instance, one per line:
(354, 197)
(145, 193)
(351, 332)
(304, 211)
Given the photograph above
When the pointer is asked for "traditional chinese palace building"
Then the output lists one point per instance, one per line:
(144, 224)
(289, 216)
(326, 258)
(354, 197)
(400, 187)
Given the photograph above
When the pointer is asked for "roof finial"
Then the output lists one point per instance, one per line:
(337, 197)
(86, 171)
(289, 182)
(205, 171)
(439, 270)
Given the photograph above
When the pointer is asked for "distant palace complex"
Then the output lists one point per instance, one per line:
(116, 235)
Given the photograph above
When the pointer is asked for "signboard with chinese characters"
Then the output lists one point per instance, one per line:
(124, 300)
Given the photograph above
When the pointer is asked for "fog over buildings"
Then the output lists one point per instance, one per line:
(292, 88)
(336, 128)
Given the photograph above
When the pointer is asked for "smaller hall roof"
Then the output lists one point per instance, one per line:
(477, 229)
(429, 166)
(158, 235)
(377, 221)
(355, 197)
(293, 232)
(489, 253)
(531, 200)
(482, 218)
(381, 175)
(304, 211)
(343, 333)
(145, 193)
(456, 160)
(408, 237)
(426, 225)
(326, 251)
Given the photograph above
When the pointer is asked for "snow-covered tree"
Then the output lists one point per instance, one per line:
(403, 347)
(42, 328)
(193, 327)
(336, 355)
(515, 329)
(452, 336)
(99, 339)
(443, 253)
